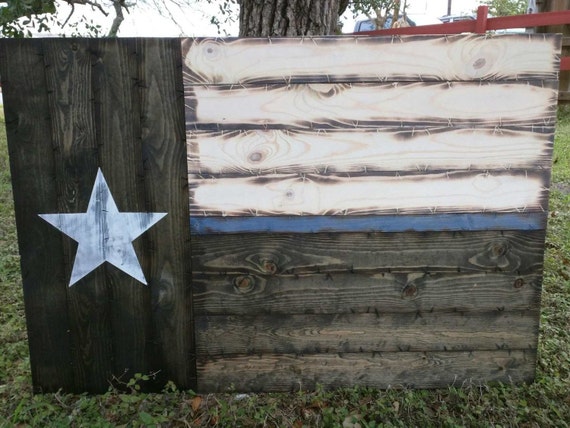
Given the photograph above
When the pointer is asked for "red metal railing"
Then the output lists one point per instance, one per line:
(483, 24)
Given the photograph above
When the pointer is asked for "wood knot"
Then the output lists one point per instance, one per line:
(479, 63)
(244, 283)
(255, 157)
(498, 249)
(269, 266)
(519, 282)
(410, 291)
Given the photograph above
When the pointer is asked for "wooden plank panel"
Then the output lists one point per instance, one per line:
(270, 373)
(41, 249)
(314, 106)
(117, 122)
(344, 59)
(371, 224)
(69, 74)
(382, 332)
(283, 151)
(314, 194)
(276, 254)
(339, 293)
(165, 174)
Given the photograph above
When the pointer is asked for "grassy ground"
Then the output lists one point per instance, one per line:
(544, 403)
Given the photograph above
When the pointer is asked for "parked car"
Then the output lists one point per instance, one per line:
(412, 19)
(454, 18)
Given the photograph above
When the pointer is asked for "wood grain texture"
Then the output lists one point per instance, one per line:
(117, 105)
(313, 106)
(283, 151)
(28, 128)
(352, 333)
(69, 73)
(345, 293)
(114, 69)
(352, 59)
(349, 194)
(289, 254)
(270, 373)
(165, 171)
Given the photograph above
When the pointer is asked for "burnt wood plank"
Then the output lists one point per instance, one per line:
(345, 293)
(517, 191)
(382, 332)
(268, 373)
(416, 149)
(277, 254)
(354, 59)
(33, 171)
(166, 188)
(314, 106)
(77, 158)
(117, 122)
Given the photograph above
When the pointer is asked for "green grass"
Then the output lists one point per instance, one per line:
(544, 403)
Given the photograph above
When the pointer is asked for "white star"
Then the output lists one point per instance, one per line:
(103, 233)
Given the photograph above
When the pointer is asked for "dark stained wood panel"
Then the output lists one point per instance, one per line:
(254, 152)
(32, 167)
(165, 181)
(68, 71)
(295, 373)
(379, 292)
(314, 106)
(354, 59)
(275, 254)
(114, 105)
(368, 194)
(228, 335)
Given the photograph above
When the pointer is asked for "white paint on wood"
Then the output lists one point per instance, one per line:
(259, 151)
(375, 59)
(103, 233)
(343, 195)
(354, 105)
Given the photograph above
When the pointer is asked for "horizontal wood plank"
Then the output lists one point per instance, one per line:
(270, 373)
(283, 151)
(364, 293)
(276, 254)
(315, 194)
(312, 106)
(383, 332)
(384, 223)
(344, 59)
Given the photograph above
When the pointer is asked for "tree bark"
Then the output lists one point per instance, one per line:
(272, 18)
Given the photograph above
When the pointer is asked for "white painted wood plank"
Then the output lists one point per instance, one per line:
(353, 105)
(471, 57)
(344, 195)
(259, 151)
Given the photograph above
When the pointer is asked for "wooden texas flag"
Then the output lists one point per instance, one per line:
(274, 214)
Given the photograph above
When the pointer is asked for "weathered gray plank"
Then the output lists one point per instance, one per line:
(353, 59)
(269, 373)
(516, 191)
(32, 168)
(364, 293)
(69, 73)
(313, 106)
(268, 254)
(382, 332)
(412, 149)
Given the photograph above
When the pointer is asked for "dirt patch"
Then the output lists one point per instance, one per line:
(561, 187)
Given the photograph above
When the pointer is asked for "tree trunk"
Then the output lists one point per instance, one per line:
(270, 18)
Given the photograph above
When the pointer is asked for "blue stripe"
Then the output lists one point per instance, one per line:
(399, 223)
